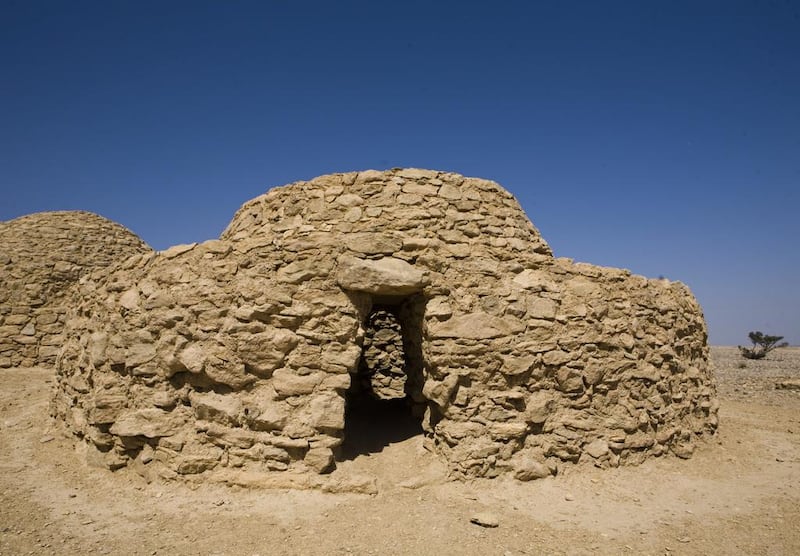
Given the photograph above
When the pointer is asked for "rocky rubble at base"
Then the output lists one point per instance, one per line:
(236, 357)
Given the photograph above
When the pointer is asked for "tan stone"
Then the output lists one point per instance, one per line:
(536, 280)
(193, 358)
(326, 411)
(177, 250)
(372, 243)
(228, 372)
(209, 406)
(539, 407)
(516, 365)
(439, 307)
(450, 192)
(150, 423)
(475, 326)
(529, 470)
(597, 449)
(541, 308)
(417, 174)
(319, 459)
(298, 271)
(266, 415)
(386, 276)
(288, 383)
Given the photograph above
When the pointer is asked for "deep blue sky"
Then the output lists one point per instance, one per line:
(663, 137)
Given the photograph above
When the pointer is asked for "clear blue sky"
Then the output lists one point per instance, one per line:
(661, 136)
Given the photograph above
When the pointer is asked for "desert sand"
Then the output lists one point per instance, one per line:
(738, 494)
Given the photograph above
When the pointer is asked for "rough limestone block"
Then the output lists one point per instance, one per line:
(374, 244)
(475, 326)
(150, 423)
(320, 460)
(288, 383)
(386, 276)
(326, 411)
(209, 406)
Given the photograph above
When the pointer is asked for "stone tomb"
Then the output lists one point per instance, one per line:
(253, 355)
(41, 256)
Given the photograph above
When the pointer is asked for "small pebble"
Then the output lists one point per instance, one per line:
(485, 519)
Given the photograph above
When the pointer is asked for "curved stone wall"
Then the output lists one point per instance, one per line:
(235, 356)
(41, 255)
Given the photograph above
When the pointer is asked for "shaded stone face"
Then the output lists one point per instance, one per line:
(242, 355)
(381, 371)
(41, 256)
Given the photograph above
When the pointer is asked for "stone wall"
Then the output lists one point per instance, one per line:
(235, 356)
(41, 255)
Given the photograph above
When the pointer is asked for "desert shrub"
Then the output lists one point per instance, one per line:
(762, 345)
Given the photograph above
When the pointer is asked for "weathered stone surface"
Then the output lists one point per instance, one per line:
(177, 250)
(151, 423)
(530, 470)
(288, 383)
(326, 411)
(41, 256)
(193, 358)
(597, 448)
(439, 307)
(418, 288)
(372, 244)
(536, 280)
(320, 459)
(210, 406)
(386, 276)
(475, 326)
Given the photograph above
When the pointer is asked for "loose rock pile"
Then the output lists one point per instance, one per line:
(382, 369)
(41, 255)
(235, 356)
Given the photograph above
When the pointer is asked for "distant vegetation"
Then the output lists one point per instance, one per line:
(762, 345)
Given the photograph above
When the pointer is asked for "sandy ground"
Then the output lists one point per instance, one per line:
(739, 494)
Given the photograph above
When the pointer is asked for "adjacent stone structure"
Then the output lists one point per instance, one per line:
(41, 255)
(240, 355)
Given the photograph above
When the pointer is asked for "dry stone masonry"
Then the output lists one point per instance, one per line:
(41, 255)
(239, 357)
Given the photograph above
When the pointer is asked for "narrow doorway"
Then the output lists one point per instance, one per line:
(384, 404)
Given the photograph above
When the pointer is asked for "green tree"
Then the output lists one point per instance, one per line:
(762, 345)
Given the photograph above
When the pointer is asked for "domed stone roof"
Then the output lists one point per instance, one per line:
(252, 355)
(41, 255)
(423, 204)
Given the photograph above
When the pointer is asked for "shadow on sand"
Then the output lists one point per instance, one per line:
(372, 424)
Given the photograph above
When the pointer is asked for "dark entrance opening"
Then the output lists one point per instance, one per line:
(384, 403)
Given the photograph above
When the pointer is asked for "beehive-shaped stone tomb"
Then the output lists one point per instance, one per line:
(252, 353)
(41, 256)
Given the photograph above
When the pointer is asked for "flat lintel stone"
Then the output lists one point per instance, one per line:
(386, 276)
